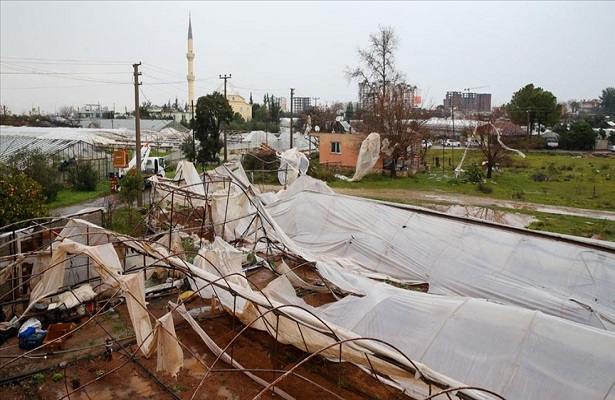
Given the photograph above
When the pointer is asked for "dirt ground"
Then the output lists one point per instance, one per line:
(126, 377)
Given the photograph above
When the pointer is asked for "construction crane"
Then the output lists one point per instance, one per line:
(472, 88)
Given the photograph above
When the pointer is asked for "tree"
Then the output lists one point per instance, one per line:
(389, 107)
(66, 112)
(390, 110)
(349, 111)
(211, 111)
(21, 197)
(187, 147)
(39, 167)
(579, 135)
(607, 101)
(274, 112)
(489, 143)
(131, 187)
(533, 105)
(259, 113)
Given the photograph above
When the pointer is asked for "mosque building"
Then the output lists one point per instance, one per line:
(237, 102)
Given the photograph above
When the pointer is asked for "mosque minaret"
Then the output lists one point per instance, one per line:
(190, 57)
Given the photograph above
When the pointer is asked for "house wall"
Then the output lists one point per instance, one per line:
(349, 146)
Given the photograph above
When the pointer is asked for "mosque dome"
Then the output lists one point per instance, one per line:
(231, 90)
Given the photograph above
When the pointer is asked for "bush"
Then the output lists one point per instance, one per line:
(519, 194)
(21, 197)
(474, 173)
(131, 187)
(82, 177)
(38, 167)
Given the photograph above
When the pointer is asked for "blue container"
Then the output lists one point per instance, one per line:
(32, 341)
(30, 330)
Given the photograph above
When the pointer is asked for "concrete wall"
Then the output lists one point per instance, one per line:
(349, 145)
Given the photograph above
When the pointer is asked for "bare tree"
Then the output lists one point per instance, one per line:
(387, 101)
(66, 112)
(490, 143)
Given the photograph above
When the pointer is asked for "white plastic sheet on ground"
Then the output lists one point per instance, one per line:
(557, 295)
(517, 352)
(455, 257)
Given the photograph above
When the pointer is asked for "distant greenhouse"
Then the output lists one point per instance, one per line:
(61, 151)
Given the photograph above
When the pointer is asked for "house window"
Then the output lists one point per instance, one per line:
(336, 148)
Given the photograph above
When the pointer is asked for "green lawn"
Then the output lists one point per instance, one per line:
(561, 179)
(549, 178)
(69, 197)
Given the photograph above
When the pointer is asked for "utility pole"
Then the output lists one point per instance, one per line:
(225, 142)
(138, 129)
(292, 92)
(527, 142)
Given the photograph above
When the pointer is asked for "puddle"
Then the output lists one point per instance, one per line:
(138, 388)
(194, 367)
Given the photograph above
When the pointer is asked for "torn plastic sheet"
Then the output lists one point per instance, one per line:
(107, 264)
(369, 153)
(541, 356)
(293, 164)
(454, 256)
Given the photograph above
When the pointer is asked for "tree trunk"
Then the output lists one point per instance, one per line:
(489, 171)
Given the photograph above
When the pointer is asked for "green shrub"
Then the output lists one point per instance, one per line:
(57, 377)
(21, 198)
(474, 173)
(131, 187)
(82, 177)
(518, 194)
(38, 167)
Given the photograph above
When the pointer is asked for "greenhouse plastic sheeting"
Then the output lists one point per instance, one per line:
(454, 256)
(456, 341)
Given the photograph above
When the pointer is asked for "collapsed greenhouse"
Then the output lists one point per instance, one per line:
(427, 303)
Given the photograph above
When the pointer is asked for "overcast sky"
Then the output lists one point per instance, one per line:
(567, 48)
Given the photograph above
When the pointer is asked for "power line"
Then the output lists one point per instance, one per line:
(36, 71)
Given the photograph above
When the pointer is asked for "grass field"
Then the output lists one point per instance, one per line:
(68, 197)
(552, 178)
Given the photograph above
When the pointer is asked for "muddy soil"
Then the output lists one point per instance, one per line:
(126, 377)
